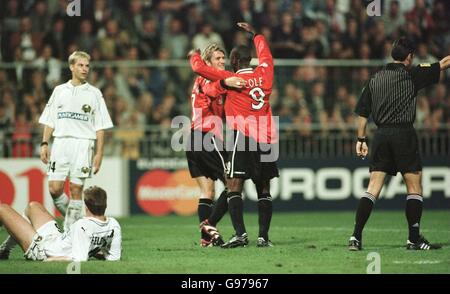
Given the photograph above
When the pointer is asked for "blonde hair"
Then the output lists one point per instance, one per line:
(208, 52)
(78, 54)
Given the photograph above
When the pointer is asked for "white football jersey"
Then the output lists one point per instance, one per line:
(87, 237)
(76, 111)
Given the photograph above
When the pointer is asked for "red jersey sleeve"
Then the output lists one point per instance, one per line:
(208, 72)
(213, 89)
(265, 59)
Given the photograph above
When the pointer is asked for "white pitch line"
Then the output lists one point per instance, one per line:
(350, 228)
(300, 228)
(417, 262)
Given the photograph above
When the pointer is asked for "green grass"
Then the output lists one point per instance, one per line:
(305, 242)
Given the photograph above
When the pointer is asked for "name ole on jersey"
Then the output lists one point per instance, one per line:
(73, 115)
(254, 82)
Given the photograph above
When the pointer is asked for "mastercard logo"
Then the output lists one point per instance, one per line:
(160, 192)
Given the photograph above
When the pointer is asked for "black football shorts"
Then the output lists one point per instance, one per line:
(206, 156)
(249, 159)
(395, 149)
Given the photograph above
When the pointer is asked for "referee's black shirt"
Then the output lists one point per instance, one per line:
(390, 95)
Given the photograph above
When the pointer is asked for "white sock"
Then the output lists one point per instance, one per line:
(61, 203)
(74, 213)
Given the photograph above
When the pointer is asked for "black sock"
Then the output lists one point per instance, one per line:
(362, 214)
(414, 203)
(236, 209)
(264, 215)
(219, 210)
(204, 210)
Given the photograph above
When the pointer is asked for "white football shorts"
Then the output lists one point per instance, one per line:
(71, 157)
(44, 237)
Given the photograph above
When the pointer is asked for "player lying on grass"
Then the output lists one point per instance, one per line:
(40, 237)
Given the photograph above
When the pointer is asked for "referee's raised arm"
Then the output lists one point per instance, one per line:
(426, 74)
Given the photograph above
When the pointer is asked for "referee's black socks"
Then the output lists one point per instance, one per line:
(236, 209)
(413, 211)
(362, 214)
(264, 215)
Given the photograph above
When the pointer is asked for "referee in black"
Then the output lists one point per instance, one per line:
(390, 97)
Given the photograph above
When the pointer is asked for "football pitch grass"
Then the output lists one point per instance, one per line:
(305, 242)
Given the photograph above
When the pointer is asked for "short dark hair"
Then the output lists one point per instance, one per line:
(95, 200)
(241, 53)
(401, 48)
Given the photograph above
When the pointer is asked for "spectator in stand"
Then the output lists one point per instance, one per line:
(422, 55)
(286, 40)
(219, 18)
(39, 17)
(150, 39)
(421, 15)
(243, 12)
(5, 125)
(50, 65)
(206, 36)
(86, 39)
(112, 45)
(21, 136)
(423, 117)
(175, 41)
(328, 29)
(57, 39)
(394, 19)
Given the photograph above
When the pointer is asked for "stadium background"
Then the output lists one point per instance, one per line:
(325, 51)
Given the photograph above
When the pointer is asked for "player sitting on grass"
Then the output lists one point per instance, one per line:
(39, 236)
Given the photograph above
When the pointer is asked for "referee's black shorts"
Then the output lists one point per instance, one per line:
(206, 156)
(395, 149)
(247, 162)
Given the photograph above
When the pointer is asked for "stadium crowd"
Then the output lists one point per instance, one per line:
(41, 34)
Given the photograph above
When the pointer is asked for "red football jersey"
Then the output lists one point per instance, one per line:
(248, 109)
(207, 112)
